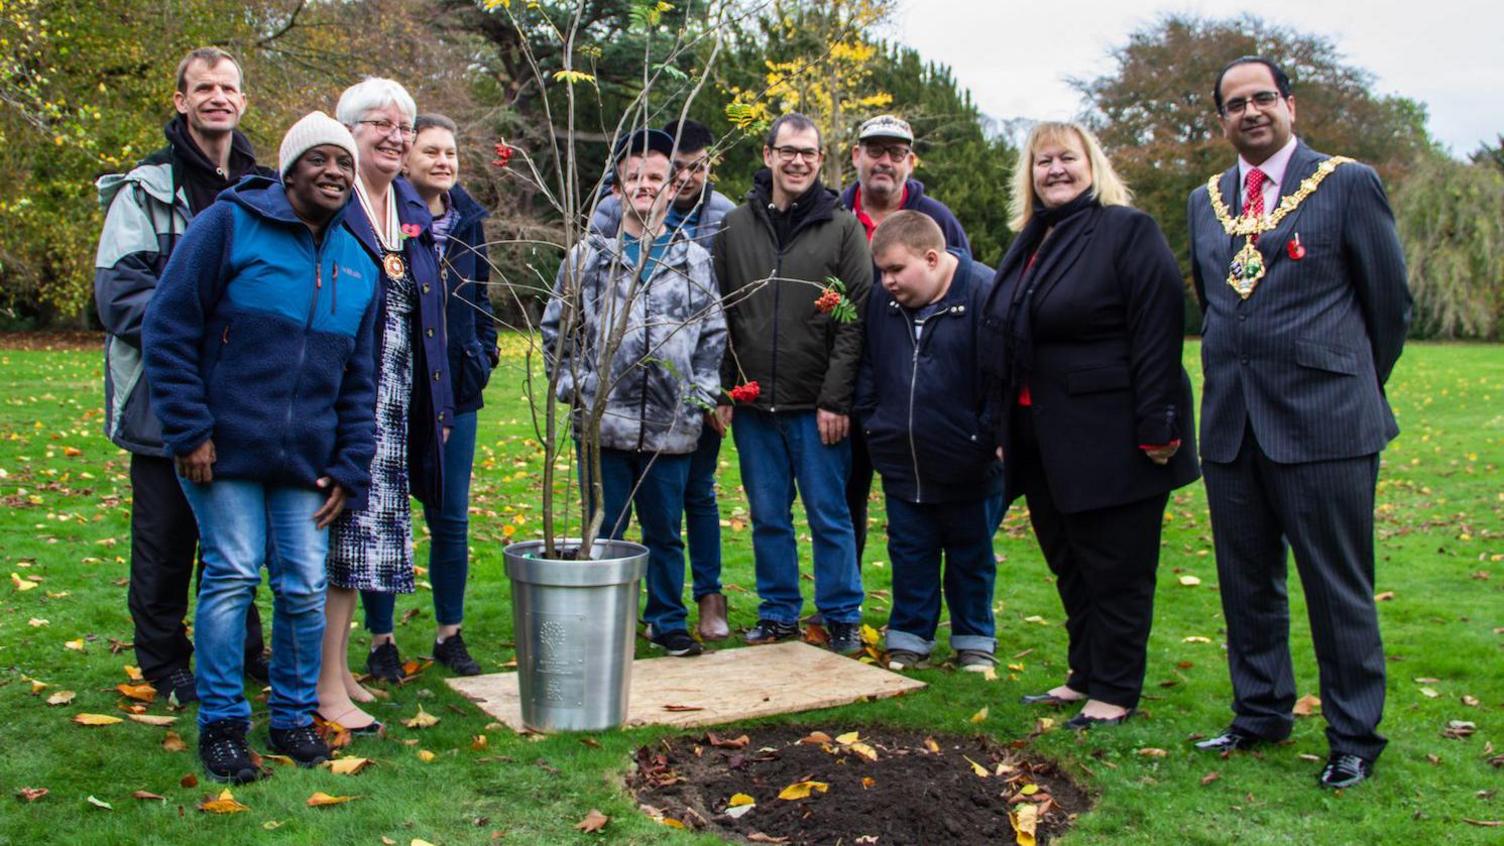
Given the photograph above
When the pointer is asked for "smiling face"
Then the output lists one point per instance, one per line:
(318, 184)
(691, 172)
(433, 165)
(1257, 132)
(794, 160)
(211, 99)
(883, 166)
(382, 153)
(643, 184)
(1061, 170)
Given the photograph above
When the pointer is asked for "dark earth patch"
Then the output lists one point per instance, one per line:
(920, 789)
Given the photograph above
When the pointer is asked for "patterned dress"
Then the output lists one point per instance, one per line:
(372, 549)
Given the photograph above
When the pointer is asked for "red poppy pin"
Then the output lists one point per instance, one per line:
(1295, 249)
(411, 230)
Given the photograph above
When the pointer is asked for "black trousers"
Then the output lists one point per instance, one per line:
(859, 488)
(1104, 562)
(164, 549)
(1323, 511)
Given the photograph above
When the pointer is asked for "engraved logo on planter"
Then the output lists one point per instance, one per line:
(559, 658)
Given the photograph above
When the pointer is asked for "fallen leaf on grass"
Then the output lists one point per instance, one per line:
(802, 790)
(1470, 701)
(728, 742)
(426, 756)
(1196, 639)
(417, 841)
(142, 794)
(37, 686)
(272, 825)
(77, 644)
(347, 766)
(1044, 724)
(100, 803)
(173, 742)
(759, 837)
(320, 799)
(1035, 618)
(1152, 752)
(62, 697)
(1210, 777)
(1306, 756)
(1429, 693)
(1307, 705)
(37, 622)
(980, 770)
(188, 782)
(870, 635)
(138, 692)
(683, 708)
(22, 584)
(1025, 819)
(479, 742)
(593, 821)
(980, 715)
(1189, 581)
(96, 719)
(671, 822)
(422, 720)
(1459, 729)
(224, 803)
(32, 794)
(133, 673)
(1384, 597)
(152, 719)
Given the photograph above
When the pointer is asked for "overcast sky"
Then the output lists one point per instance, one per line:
(1015, 56)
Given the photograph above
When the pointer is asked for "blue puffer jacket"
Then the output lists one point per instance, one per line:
(922, 404)
(261, 340)
(467, 313)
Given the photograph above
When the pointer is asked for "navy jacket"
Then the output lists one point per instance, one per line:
(467, 313)
(917, 200)
(432, 406)
(924, 419)
(261, 340)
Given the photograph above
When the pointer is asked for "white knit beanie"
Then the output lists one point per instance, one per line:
(312, 130)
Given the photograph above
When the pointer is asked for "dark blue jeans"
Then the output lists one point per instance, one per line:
(918, 535)
(449, 542)
(702, 517)
(658, 502)
(779, 453)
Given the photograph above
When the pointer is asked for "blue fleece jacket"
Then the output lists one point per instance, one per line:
(261, 339)
(922, 402)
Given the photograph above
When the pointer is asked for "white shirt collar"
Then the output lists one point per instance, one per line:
(1273, 167)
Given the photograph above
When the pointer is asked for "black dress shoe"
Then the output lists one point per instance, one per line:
(1344, 770)
(1081, 722)
(1231, 740)
(1047, 699)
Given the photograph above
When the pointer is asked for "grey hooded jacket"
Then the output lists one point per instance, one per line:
(666, 372)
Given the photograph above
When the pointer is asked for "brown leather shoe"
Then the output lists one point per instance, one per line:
(713, 617)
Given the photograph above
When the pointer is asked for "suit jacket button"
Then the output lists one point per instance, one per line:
(437, 374)
(1242, 317)
(1243, 360)
(427, 287)
(429, 331)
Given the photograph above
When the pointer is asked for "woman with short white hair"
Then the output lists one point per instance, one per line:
(370, 550)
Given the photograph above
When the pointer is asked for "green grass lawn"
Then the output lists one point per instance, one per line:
(64, 503)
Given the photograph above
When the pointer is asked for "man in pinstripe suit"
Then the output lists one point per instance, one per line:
(1306, 310)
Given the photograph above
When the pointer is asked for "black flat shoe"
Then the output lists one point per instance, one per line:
(1081, 722)
(1047, 699)
(1343, 771)
(1231, 739)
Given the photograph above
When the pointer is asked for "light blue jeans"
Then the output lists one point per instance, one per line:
(243, 525)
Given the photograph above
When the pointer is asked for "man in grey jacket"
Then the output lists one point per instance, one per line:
(695, 214)
(146, 211)
(659, 380)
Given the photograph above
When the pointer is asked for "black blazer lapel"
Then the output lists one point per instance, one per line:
(1057, 262)
(1303, 163)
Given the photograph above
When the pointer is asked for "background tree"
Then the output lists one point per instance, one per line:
(1155, 113)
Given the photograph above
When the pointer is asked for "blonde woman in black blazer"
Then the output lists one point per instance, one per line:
(1091, 404)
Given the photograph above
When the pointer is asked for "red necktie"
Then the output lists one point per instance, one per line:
(1253, 195)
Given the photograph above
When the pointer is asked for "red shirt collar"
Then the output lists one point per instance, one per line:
(867, 222)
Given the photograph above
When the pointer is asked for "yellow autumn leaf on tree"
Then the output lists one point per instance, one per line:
(96, 719)
(224, 803)
(802, 790)
(573, 76)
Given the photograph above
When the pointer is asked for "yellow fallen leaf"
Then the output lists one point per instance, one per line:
(1189, 581)
(1197, 639)
(1307, 705)
(868, 782)
(864, 750)
(133, 673)
(223, 804)
(479, 742)
(347, 766)
(802, 790)
(848, 738)
(930, 744)
(739, 799)
(36, 622)
(980, 770)
(38, 686)
(99, 803)
(1384, 597)
(20, 583)
(76, 645)
(990, 674)
(980, 715)
(1004, 769)
(426, 756)
(422, 720)
(138, 692)
(173, 742)
(152, 719)
(272, 825)
(870, 635)
(1025, 819)
(815, 738)
(1429, 693)
(1152, 752)
(1044, 724)
(1029, 789)
(321, 799)
(96, 719)
(1035, 618)
(62, 697)
(672, 823)
(417, 841)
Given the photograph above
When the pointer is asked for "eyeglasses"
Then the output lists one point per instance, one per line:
(788, 154)
(1263, 99)
(896, 152)
(385, 127)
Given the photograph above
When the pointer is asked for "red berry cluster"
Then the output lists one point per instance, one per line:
(503, 154)
(828, 301)
(746, 393)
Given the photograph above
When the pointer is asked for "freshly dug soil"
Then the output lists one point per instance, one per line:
(920, 789)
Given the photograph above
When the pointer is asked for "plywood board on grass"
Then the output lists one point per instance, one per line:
(724, 686)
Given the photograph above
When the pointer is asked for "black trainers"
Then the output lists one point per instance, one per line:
(257, 669)
(770, 631)
(845, 638)
(384, 664)
(301, 744)
(453, 654)
(223, 752)
(180, 684)
(678, 643)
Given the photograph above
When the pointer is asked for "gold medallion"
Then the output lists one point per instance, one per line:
(1246, 269)
(394, 266)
